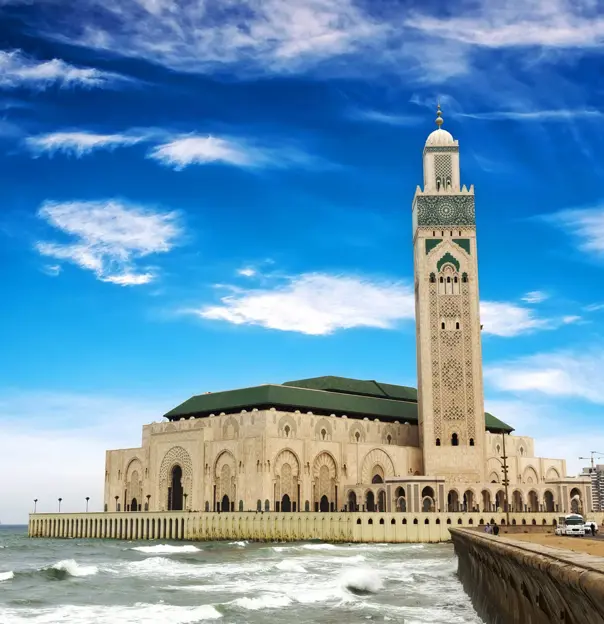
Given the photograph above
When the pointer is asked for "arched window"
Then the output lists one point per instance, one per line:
(437, 441)
(457, 325)
(448, 280)
(432, 278)
(442, 279)
(286, 429)
(442, 325)
(433, 233)
(389, 438)
(455, 279)
(451, 233)
(323, 434)
(357, 436)
(464, 278)
(471, 441)
(454, 440)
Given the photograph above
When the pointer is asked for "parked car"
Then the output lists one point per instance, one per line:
(587, 526)
(571, 524)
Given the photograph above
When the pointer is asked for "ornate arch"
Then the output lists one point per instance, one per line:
(325, 459)
(530, 476)
(287, 472)
(225, 475)
(357, 428)
(389, 435)
(230, 429)
(552, 474)
(323, 425)
(376, 457)
(134, 481)
(177, 455)
(287, 421)
(325, 479)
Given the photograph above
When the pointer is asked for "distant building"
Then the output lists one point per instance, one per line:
(334, 444)
(596, 474)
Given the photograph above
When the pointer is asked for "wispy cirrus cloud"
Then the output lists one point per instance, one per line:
(535, 296)
(538, 115)
(322, 303)
(77, 143)
(110, 237)
(558, 374)
(19, 70)
(185, 150)
(586, 225)
(390, 119)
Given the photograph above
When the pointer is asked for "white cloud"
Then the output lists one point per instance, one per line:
(52, 269)
(385, 118)
(587, 225)
(557, 374)
(535, 296)
(539, 115)
(317, 304)
(594, 307)
(82, 428)
(19, 70)
(508, 319)
(514, 23)
(77, 143)
(571, 318)
(110, 236)
(200, 150)
(246, 272)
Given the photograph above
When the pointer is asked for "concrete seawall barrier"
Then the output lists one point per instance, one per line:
(513, 582)
(396, 527)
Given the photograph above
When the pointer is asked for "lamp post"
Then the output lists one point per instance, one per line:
(60, 499)
(116, 499)
(505, 480)
(148, 497)
(35, 504)
(185, 497)
(87, 499)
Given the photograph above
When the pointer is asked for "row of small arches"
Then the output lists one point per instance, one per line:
(454, 440)
(459, 521)
(464, 279)
(442, 233)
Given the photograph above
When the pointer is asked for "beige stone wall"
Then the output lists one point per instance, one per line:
(345, 527)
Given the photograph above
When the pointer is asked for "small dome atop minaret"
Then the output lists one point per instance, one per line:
(439, 136)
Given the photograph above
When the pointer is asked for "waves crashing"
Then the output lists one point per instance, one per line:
(166, 549)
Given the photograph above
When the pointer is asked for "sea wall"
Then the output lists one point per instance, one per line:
(336, 526)
(512, 582)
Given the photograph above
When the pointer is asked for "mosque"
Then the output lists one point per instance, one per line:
(330, 444)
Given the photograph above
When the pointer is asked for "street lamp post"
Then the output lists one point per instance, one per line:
(505, 481)
(116, 499)
(87, 499)
(60, 499)
(185, 497)
(35, 504)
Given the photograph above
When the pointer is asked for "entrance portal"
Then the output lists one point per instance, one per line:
(370, 501)
(286, 504)
(175, 492)
(134, 505)
(225, 505)
(324, 504)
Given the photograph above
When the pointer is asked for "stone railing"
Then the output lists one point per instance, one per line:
(512, 582)
(334, 526)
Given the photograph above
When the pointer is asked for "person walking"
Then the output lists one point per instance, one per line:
(487, 528)
(593, 529)
(495, 530)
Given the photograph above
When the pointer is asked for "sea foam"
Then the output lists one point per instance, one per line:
(290, 565)
(73, 568)
(140, 613)
(319, 547)
(166, 549)
(361, 581)
(7, 576)
(266, 601)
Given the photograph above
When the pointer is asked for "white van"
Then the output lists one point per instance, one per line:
(572, 524)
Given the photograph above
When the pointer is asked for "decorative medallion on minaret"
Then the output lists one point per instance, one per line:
(449, 360)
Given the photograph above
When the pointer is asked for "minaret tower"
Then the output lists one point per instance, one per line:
(449, 360)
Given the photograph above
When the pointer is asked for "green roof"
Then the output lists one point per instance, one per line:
(320, 395)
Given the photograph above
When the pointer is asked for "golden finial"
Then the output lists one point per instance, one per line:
(439, 116)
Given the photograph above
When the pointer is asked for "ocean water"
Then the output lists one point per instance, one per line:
(44, 581)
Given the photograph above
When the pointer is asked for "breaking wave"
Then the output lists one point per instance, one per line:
(361, 581)
(241, 544)
(166, 549)
(268, 601)
(7, 576)
(289, 565)
(319, 547)
(140, 613)
(69, 567)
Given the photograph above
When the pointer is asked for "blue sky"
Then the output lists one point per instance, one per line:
(199, 196)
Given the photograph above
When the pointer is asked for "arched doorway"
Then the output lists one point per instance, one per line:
(286, 504)
(453, 501)
(134, 505)
(225, 505)
(549, 501)
(576, 504)
(486, 500)
(517, 501)
(428, 499)
(468, 500)
(175, 490)
(352, 501)
(500, 500)
(381, 500)
(370, 501)
(533, 501)
(324, 504)
(401, 502)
